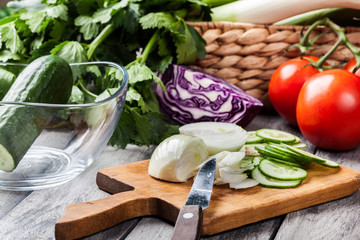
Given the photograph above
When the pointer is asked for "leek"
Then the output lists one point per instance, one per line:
(270, 11)
(309, 17)
(216, 3)
(342, 16)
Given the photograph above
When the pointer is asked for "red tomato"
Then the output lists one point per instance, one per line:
(328, 110)
(351, 65)
(285, 85)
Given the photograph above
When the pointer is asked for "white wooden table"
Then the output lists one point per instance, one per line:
(32, 215)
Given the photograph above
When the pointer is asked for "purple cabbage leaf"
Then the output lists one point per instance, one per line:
(195, 96)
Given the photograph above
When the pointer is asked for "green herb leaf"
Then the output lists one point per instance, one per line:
(157, 20)
(71, 51)
(88, 27)
(77, 96)
(59, 11)
(34, 20)
(12, 40)
(104, 15)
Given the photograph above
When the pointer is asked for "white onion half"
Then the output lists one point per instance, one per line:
(218, 136)
(176, 158)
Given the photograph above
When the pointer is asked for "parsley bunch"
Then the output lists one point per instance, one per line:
(145, 36)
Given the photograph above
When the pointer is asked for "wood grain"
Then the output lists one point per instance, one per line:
(228, 208)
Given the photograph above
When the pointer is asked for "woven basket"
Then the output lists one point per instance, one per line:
(246, 55)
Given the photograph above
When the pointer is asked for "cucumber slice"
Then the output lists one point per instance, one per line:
(297, 140)
(247, 161)
(281, 171)
(271, 182)
(256, 160)
(282, 151)
(294, 164)
(277, 136)
(299, 145)
(305, 155)
(253, 138)
(330, 164)
(266, 153)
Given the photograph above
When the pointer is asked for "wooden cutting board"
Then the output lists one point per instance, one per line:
(135, 194)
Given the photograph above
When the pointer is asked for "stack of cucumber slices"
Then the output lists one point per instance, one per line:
(278, 159)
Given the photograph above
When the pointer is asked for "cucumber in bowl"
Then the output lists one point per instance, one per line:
(48, 79)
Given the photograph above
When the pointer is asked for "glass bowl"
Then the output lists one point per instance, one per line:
(64, 139)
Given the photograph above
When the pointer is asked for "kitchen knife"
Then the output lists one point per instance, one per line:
(189, 221)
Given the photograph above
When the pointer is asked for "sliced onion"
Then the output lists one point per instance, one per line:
(229, 176)
(247, 183)
(218, 136)
(176, 158)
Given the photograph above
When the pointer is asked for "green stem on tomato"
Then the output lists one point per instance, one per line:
(342, 36)
(323, 59)
(304, 41)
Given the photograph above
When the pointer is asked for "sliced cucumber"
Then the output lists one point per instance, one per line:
(281, 171)
(267, 153)
(271, 182)
(256, 160)
(294, 164)
(330, 164)
(277, 136)
(297, 140)
(305, 155)
(282, 151)
(299, 145)
(253, 138)
(247, 161)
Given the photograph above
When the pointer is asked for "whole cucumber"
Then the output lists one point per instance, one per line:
(48, 79)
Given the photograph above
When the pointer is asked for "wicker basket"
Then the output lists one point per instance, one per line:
(246, 55)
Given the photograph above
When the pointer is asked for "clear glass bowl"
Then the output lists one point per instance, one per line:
(67, 136)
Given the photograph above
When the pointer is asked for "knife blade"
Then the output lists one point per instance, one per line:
(189, 221)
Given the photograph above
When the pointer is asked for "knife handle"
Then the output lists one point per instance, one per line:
(188, 223)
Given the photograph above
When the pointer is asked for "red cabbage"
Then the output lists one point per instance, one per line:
(196, 96)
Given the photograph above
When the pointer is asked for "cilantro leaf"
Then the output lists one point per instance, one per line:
(140, 73)
(186, 50)
(59, 11)
(71, 51)
(6, 55)
(133, 96)
(131, 17)
(11, 38)
(34, 20)
(157, 20)
(104, 15)
(88, 27)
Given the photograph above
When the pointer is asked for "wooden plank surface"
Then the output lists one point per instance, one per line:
(32, 215)
(138, 194)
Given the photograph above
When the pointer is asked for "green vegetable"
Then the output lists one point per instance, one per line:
(271, 182)
(145, 36)
(281, 163)
(46, 80)
(6, 80)
(277, 136)
(270, 11)
(341, 16)
(281, 171)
